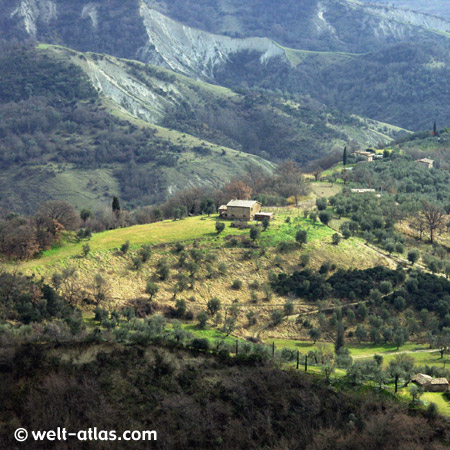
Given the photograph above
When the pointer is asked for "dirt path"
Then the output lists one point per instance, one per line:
(294, 317)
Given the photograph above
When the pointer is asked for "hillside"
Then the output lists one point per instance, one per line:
(61, 140)
(328, 287)
(197, 235)
(218, 228)
(195, 400)
(169, 131)
(439, 8)
(359, 53)
(338, 25)
(271, 126)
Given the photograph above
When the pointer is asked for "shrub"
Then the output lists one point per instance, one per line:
(145, 252)
(301, 237)
(325, 217)
(137, 263)
(277, 317)
(180, 308)
(86, 249)
(213, 306)
(255, 233)
(413, 256)
(163, 270)
(220, 226)
(335, 239)
(321, 204)
(200, 344)
(202, 320)
(304, 259)
(125, 247)
(237, 284)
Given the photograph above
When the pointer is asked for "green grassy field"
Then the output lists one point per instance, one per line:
(211, 334)
(156, 233)
(297, 57)
(361, 351)
(438, 398)
(285, 232)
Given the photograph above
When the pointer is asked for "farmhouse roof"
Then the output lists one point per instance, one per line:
(439, 381)
(422, 379)
(222, 208)
(242, 203)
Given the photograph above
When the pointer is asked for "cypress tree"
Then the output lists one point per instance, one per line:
(344, 158)
(434, 129)
(339, 342)
(115, 205)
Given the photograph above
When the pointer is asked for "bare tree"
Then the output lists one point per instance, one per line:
(434, 217)
(236, 189)
(291, 181)
(60, 212)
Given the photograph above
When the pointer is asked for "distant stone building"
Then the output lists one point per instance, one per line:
(431, 384)
(426, 162)
(368, 156)
(361, 191)
(240, 209)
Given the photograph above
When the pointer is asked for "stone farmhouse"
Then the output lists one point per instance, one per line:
(431, 384)
(240, 209)
(368, 156)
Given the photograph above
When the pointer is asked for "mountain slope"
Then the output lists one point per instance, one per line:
(339, 25)
(170, 32)
(195, 52)
(263, 124)
(440, 8)
(60, 140)
(149, 132)
(372, 52)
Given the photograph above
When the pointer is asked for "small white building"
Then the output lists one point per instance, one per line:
(362, 191)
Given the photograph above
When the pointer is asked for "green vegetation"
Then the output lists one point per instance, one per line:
(56, 129)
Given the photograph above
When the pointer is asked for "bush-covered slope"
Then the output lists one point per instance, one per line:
(195, 401)
(404, 84)
(59, 140)
(261, 123)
